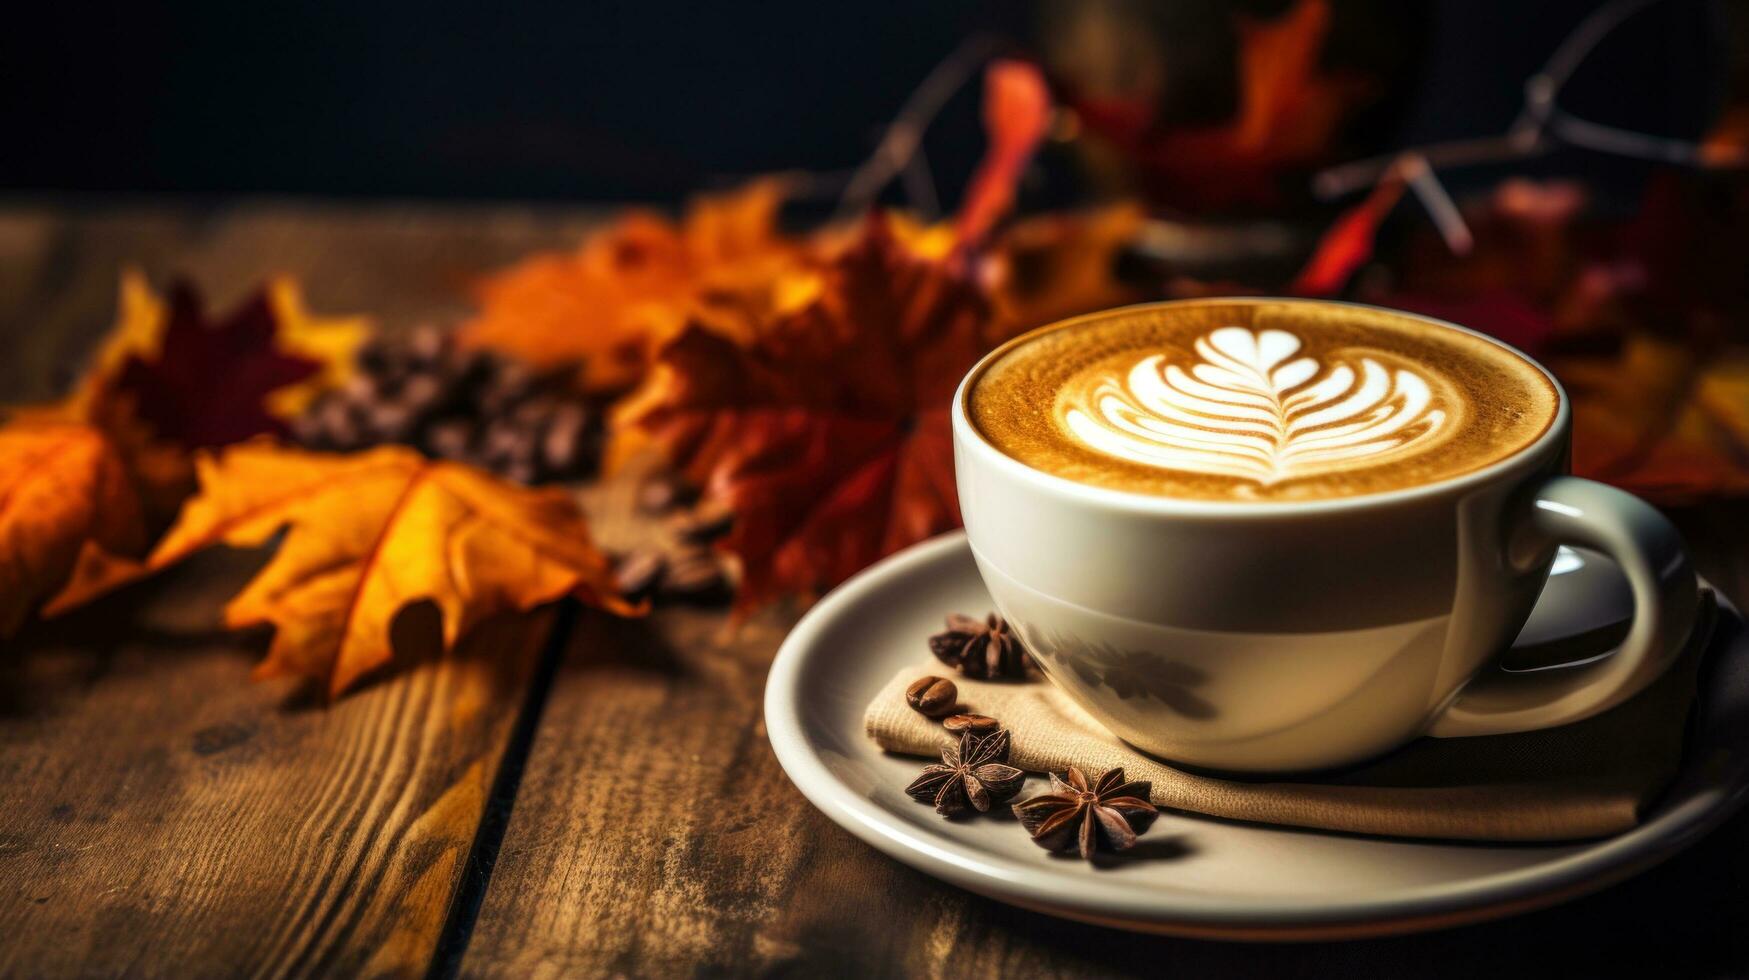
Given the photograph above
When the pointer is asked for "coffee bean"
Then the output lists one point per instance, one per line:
(932, 696)
(427, 343)
(501, 440)
(424, 393)
(637, 574)
(339, 421)
(449, 438)
(361, 389)
(562, 445)
(391, 421)
(981, 724)
(472, 406)
(531, 412)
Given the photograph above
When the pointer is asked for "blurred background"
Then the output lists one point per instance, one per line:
(651, 101)
(1567, 175)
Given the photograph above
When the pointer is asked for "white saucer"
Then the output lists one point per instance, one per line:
(1200, 876)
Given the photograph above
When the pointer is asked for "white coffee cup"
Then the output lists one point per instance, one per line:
(1282, 636)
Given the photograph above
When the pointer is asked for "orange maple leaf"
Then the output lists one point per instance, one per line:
(829, 435)
(63, 487)
(106, 467)
(635, 283)
(365, 536)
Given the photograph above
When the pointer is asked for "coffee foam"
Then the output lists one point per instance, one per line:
(1266, 400)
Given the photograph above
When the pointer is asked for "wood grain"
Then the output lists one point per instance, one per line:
(655, 835)
(160, 814)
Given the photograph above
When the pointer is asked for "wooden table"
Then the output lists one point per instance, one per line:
(568, 794)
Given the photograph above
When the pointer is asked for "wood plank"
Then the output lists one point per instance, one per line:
(160, 814)
(654, 834)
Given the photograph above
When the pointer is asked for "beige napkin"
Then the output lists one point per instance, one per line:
(1588, 779)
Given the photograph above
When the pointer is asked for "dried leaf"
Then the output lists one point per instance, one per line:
(331, 342)
(1661, 419)
(63, 488)
(201, 382)
(829, 435)
(1017, 112)
(166, 379)
(636, 283)
(365, 536)
(1348, 244)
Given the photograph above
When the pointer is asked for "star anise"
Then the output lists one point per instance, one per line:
(981, 648)
(973, 774)
(1106, 814)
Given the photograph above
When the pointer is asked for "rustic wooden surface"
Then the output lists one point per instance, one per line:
(161, 815)
(611, 809)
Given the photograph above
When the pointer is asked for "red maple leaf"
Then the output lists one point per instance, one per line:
(828, 435)
(1348, 244)
(209, 382)
(1017, 112)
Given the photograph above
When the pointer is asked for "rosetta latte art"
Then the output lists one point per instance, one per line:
(1251, 409)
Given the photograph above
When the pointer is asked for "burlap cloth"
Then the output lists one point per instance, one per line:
(1589, 779)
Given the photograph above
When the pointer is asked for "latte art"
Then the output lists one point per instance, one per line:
(1257, 400)
(1251, 409)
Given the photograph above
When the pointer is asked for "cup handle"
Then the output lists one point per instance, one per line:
(1666, 600)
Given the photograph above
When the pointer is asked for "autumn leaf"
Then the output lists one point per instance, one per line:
(1046, 267)
(1661, 419)
(366, 535)
(1639, 319)
(167, 378)
(1017, 112)
(637, 282)
(829, 435)
(63, 488)
(88, 480)
(1289, 112)
(208, 382)
(330, 342)
(1348, 243)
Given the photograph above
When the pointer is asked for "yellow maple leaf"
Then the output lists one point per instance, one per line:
(330, 341)
(63, 487)
(366, 535)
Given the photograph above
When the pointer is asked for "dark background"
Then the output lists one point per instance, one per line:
(653, 100)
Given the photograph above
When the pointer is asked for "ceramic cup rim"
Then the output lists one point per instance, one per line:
(968, 438)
